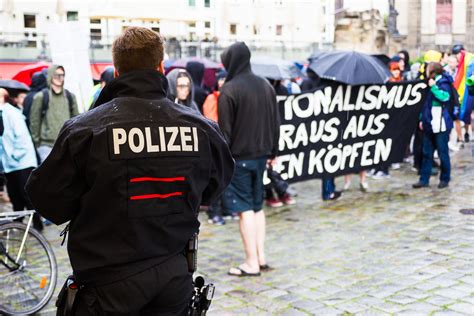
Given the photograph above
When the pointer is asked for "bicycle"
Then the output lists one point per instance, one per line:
(28, 269)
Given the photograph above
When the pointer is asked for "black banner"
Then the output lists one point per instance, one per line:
(343, 129)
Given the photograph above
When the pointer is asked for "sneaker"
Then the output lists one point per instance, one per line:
(380, 175)
(443, 184)
(364, 186)
(273, 202)
(395, 166)
(335, 195)
(466, 138)
(419, 185)
(347, 185)
(287, 199)
(453, 147)
(216, 220)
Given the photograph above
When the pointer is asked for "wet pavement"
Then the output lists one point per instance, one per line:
(392, 250)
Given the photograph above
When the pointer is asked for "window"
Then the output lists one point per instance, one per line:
(192, 24)
(72, 15)
(255, 30)
(192, 3)
(233, 29)
(279, 30)
(444, 16)
(97, 21)
(31, 44)
(207, 24)
(207, 3)
(156, 29)
(30, 20)
(96, 34)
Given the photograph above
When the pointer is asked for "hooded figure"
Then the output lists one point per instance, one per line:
(196, 71)
(173, 89)
(38, 83)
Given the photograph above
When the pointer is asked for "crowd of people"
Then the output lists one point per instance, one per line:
(31, 121)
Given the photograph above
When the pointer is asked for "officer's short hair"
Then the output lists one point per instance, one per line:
(138, 48)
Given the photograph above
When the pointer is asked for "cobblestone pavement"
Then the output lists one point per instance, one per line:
(392, 250)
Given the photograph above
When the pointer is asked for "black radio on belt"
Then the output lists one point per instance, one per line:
(191, 253)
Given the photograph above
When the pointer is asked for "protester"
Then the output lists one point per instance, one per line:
(50, 109)
(311, 82)
(132, 208)
(196, 71)
(277, 190)
(451, 66)
(18, 157)
(436, 124)
(364, 186)
(249, 119)
(181, 88)
(3, 195)
(105, 77)
(396, 71)
(210, 106)
(38, 83)
(405, 59)
(210, 110)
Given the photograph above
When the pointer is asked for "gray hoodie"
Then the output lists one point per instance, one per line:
(172, 77)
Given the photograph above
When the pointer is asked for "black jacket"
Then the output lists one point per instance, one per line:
(130, 176)
(196, 70)
(248, 113)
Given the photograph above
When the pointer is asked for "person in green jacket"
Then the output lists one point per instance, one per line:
(47, 117)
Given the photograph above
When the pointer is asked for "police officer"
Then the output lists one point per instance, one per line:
(130, 175)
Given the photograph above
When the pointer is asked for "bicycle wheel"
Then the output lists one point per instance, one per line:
(26, 287)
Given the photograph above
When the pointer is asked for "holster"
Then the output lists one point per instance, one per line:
(191, 253)
(67, 297)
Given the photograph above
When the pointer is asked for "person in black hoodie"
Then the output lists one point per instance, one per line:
(196, 71)
(249, 119)
(130, 176)
(38, 82)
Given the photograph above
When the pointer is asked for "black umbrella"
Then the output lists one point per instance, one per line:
(274, 68)
(383, 58)
(14, 85)
(350, 67)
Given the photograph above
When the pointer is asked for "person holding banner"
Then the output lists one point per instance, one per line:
(436, 124)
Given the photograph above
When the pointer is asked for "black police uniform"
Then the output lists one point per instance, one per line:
(130, 176)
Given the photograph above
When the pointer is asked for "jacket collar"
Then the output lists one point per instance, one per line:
(145, 84)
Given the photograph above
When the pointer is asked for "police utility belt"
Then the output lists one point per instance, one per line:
(198, 306)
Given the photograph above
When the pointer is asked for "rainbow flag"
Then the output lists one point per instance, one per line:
(460, 80)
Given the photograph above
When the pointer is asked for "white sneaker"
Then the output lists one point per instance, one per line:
(453, 147)
(380, 175)
(347, 185)
(395, 166)
(364, 186)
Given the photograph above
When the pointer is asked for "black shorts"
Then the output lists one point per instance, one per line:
(165, 289)
(245, 191)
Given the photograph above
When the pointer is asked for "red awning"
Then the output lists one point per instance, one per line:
(9, 69)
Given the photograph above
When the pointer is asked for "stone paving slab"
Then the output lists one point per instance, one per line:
(392, 250)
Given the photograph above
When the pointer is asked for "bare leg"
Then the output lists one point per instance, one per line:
(261, 231)
(458, 130)
(362, 176)
(249, 238)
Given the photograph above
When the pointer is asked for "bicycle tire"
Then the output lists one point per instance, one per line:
(52, 263)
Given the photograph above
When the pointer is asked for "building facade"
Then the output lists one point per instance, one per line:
(433, 24)
(269, 25)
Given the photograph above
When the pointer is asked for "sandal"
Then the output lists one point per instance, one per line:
(243, 273)
(265, 268)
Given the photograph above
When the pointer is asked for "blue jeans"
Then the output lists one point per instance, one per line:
(438, 141)
(328, 188)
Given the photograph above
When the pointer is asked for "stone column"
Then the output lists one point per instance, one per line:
(469, 41)
(413, 40)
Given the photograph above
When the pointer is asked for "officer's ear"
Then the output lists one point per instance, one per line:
(116, 74)
(161, 67)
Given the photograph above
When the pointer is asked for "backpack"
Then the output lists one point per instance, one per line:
(45, 105)
(453, 105)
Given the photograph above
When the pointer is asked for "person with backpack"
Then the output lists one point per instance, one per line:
(436, 123)
(51, 107)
